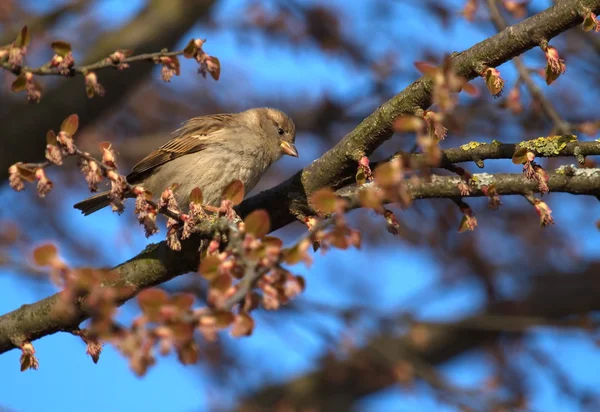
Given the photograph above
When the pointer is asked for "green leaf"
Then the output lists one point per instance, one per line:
(234, 192)
(44, 255)
(51, 138)
(23, 38)
(62, 48)
(196, 196)
(297, 253)
(70, 125)
(258, 223)
(520, 156)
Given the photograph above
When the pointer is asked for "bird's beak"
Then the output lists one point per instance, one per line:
(289, 149)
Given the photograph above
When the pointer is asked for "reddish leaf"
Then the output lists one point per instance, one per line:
(183, 301)
(190, 49)
(258, 223)
(19, 84)
(223, 319)
(324, 200)
(26, 173)
(209, 267)
(242, 326)
(221, 283)
(196, 196)
(214, 67)
(62, 48)
(151, 300)
(70, 125)
(272, 241)
(471, 90)
(234, 192)
(426, 68)
(408, 123)
(188, 353)
(44, 255)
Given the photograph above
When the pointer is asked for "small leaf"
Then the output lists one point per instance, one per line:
(188, 353)
(26, 173)
(297, 253)
(386, 174)
(426, 68)
(470, 89)
(51, 138)
(234, 192)
(324, 200)
(196, 196)
(190, 49)
(370, 198)
(62, 48)
(19, 84)
(520, 156)
(223, 319)
(242, 326)
(214, 67)
(337, 238)
(23, 37)
(44, 255)
(70, 125)
(209, 267)
(258, 223)
(221, 283)
(183, 301)
(361, 178)
(408, 123)
(589, 22)
(151, 300)
(272, 241)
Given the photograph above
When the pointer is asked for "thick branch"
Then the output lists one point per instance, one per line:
(334, 169)
(158, 264)
(337, 166)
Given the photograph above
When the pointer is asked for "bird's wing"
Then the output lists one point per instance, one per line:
(190, 138)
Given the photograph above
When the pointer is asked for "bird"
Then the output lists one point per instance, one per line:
(209, 152)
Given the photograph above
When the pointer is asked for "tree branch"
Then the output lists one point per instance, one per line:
(335, 169)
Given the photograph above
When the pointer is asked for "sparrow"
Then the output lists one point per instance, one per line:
(210, 152)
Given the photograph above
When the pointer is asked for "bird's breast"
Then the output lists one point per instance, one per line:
(210, 170)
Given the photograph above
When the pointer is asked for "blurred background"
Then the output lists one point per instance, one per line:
(508, 313)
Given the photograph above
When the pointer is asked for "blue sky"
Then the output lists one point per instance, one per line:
(67, 379)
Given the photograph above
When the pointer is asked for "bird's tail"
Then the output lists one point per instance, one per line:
(94, 203)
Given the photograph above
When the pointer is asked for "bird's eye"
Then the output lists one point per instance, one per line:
(280, 131)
